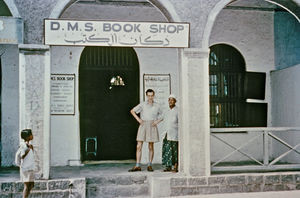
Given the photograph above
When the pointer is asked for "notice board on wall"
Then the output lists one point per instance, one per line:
(161, 84)
(62, 94)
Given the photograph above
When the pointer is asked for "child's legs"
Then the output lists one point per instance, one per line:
(31, 185)
(28, 186)
(27, 189)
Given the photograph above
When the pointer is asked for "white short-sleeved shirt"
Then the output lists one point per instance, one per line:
(148, 111)
(171, 124)
(28, 163)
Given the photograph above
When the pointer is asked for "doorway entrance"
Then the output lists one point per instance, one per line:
(108, 89)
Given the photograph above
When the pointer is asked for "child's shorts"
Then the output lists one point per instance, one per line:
(27, 176)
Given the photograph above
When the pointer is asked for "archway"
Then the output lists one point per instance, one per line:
(11, 8)
(108, 89)
(222, 4)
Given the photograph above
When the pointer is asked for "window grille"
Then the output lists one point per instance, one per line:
(226, 86)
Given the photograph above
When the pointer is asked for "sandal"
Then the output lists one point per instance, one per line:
(168, 169)
(134, 169)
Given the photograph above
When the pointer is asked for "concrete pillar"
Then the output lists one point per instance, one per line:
(194, 133)
(34, 76)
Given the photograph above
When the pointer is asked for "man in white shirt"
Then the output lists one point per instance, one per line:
(170, 142)
(150, 116)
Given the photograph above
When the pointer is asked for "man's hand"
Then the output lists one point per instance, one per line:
(140, 121)
(155, 123)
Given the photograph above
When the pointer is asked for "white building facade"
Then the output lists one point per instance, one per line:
(264, 34)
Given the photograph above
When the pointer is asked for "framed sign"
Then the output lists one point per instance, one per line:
(114, 33)
(161, 84)
(62, 94)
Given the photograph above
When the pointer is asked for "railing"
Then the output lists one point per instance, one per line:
(265, 164)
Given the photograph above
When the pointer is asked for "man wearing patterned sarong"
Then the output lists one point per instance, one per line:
(170, 141)
(150, 116)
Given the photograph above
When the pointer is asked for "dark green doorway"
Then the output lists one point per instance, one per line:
(107, 129)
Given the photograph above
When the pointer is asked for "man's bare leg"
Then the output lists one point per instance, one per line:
(138, 154)
(151, 151)
(151, 155)
(139, 147)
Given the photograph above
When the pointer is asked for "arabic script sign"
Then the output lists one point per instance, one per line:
(161, 84)
(11, 30)
(107, 33)
(62, 94)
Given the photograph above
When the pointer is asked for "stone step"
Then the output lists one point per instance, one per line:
(134, 190)
(218, 184)
(117, 186)
(59, 188)
(136, 185)
(108, 180)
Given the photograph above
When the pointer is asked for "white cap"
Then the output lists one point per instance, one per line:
(172, 96)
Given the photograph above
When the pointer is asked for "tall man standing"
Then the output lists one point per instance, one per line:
(170, 142)
(150, 116)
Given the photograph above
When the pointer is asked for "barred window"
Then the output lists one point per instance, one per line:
(230, 85)
(226, 80)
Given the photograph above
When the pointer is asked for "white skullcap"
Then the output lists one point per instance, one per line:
(172, 96)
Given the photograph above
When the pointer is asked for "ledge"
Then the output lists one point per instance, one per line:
(34, 47)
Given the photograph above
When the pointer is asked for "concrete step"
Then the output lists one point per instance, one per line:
(108, 180)
(117, 186)
(219, 184)
(59, 188)
(118, 191)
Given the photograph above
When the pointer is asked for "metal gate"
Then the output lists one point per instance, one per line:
(108, 89)
(226, 80)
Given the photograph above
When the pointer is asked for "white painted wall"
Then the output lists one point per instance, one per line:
(65, 128)
(285, 108)
(114, 11)
(251, 33)
(9, 103)
(65, 137)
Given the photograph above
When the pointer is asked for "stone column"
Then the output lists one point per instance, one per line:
(34, 76)
(194, 133)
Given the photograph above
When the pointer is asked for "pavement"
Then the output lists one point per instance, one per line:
(88, 170)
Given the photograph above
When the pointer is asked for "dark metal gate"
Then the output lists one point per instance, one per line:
(226, 80)
(108, 89)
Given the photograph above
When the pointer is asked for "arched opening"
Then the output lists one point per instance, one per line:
(226, 79)
(258, 29)
(4, 11)
(230, 85)
(8, 85)
(108, 88)
(150, 59)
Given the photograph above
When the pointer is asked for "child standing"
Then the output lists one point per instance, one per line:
(27, 162)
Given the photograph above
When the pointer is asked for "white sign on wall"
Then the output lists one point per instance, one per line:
(11, 30)
(161, 84)
(62, 94)
(112, 33)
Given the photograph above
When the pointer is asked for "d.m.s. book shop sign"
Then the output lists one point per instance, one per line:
(112, 33)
